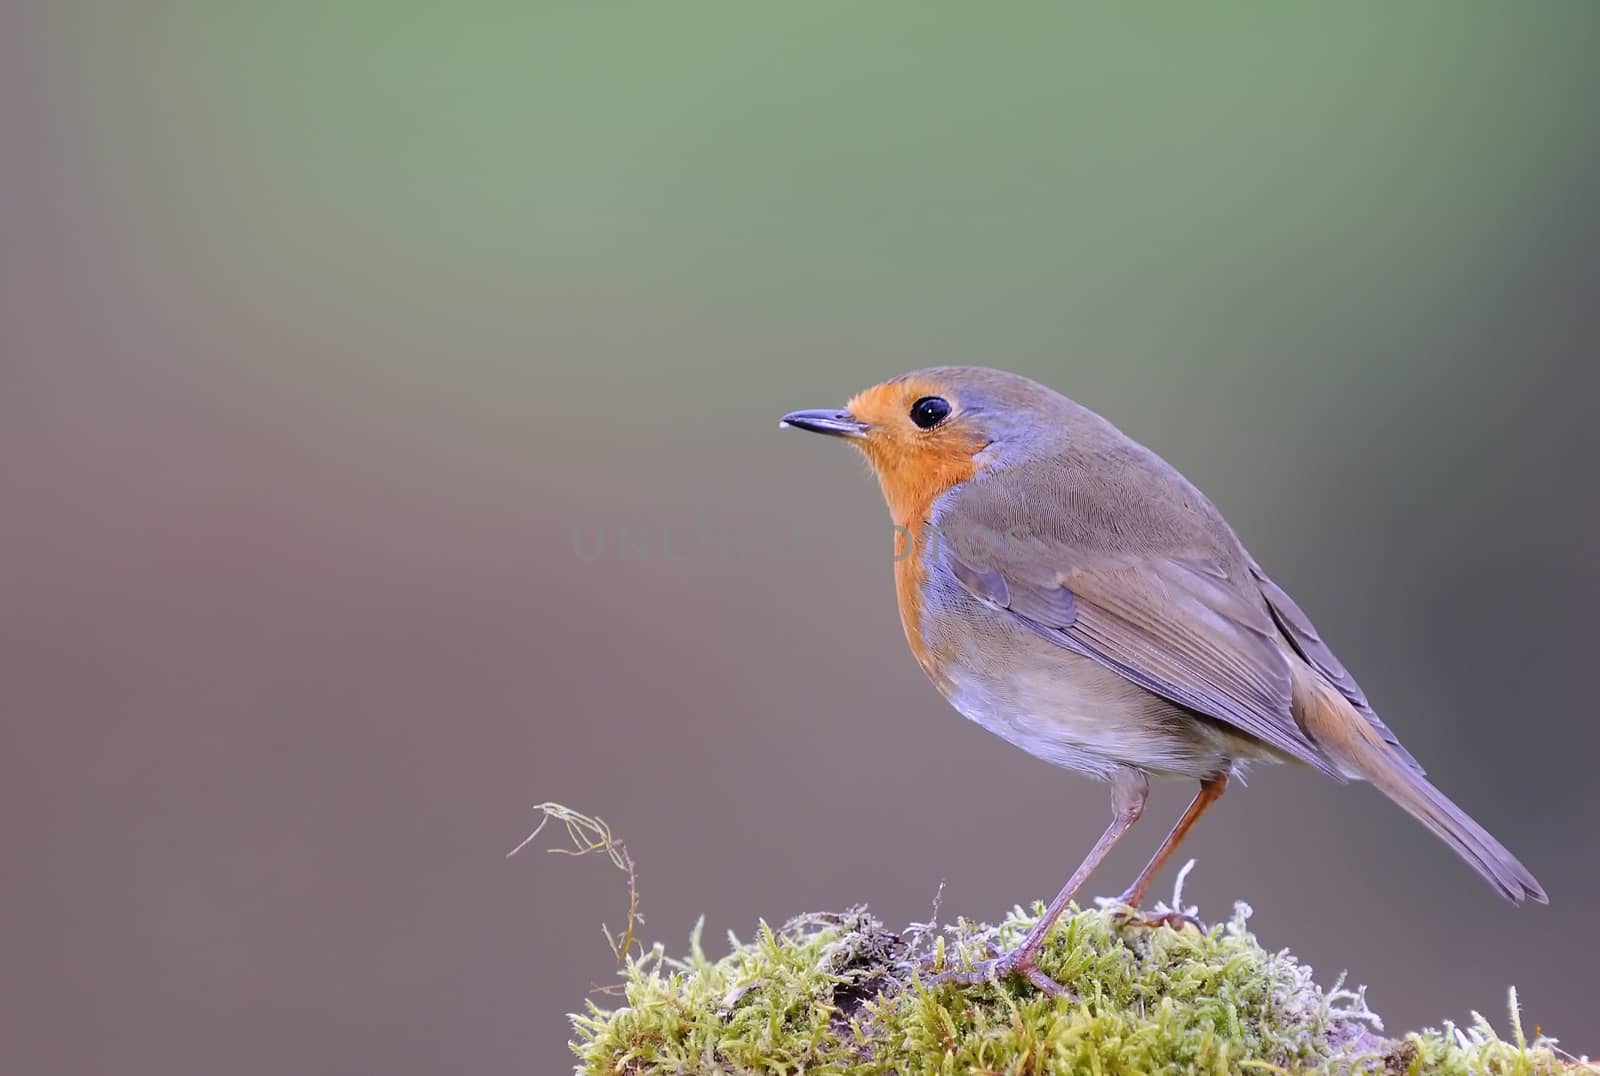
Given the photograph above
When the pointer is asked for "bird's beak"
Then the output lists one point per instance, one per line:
(833, 423)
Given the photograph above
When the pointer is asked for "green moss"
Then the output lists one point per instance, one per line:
(839, 993)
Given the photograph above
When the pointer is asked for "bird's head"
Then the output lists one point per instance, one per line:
(929, 430)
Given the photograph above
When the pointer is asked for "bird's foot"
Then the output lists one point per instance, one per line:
(1130, 914)
(1017, 962)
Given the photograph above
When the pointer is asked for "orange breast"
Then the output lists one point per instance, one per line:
(911, 498)
(909, 574)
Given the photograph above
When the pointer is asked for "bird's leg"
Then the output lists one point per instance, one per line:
(1129, 789)
(1211, 790)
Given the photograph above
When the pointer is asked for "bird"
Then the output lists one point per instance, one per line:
(1066, 588)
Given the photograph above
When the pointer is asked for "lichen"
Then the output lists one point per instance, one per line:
(840, 993)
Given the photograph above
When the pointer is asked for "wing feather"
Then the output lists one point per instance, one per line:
(1299, 630)
(1176, 626)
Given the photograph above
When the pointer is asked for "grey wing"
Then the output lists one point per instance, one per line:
(1302, 634)
(1175, 626)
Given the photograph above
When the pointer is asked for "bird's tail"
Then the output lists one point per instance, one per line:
(1353, 745)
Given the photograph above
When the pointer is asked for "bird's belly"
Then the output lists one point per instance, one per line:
(1069, 710)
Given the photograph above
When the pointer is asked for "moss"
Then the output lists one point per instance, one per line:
(840, 993)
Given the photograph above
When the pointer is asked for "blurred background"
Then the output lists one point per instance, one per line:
(339, 342)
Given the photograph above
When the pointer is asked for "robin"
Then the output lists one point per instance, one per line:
(1067, 589)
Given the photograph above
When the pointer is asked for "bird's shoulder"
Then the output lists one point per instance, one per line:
(1122, 502)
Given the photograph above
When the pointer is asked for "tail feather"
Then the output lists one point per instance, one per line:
(1356, 748)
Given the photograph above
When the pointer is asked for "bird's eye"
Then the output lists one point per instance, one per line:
(929, 411)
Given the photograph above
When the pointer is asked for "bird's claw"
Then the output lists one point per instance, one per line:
(1131, 916)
